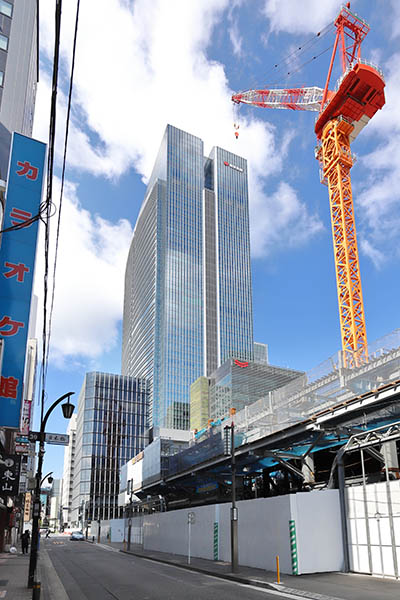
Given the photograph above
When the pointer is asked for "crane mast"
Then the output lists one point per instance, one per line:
(335, 156)
(342, 115)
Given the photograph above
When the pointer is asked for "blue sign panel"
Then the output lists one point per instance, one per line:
(17, 261)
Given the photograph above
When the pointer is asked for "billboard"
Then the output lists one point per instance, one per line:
(17, 261)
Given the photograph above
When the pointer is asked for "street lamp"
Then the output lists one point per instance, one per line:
(47, 477)
(67, 412)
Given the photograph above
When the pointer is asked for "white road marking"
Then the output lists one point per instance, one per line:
(293, 594)
(105, 547)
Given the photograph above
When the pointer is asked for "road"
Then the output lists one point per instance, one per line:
(89, 572)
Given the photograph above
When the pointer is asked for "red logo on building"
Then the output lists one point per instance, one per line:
(228, 164)
(239, 363)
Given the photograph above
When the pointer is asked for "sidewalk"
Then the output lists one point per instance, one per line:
(320, 586)
(14, 576)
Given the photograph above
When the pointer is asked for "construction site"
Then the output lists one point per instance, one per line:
(317, 459)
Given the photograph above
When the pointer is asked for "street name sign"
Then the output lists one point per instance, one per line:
(60, 439)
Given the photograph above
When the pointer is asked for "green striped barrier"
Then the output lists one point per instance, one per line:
(215, 541)
(293, 547)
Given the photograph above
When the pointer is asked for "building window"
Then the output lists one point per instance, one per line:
(3, 42)
(1, 78)
(6, 8)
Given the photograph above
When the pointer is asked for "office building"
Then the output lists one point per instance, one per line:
(18, 71)
(199, 413)
(188, 297)
(18, 81)
(151, 465)
(55, 514)
(237, 384)
(111, 427)
(68, 473)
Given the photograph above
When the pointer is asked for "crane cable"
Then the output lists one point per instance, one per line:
(299, 68)
(281, 65)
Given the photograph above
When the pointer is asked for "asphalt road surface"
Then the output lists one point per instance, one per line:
(88, 572)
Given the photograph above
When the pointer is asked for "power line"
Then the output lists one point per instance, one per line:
(48, 202)
(71, 79)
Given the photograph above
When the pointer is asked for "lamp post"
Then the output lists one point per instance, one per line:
(67, 409)
(229, 450)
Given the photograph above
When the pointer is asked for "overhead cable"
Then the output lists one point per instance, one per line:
(71, 79)
(49, 192)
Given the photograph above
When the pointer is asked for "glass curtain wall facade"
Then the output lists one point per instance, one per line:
(188, 302)
(260, 353)
(237, 384)
(233, 271)
(112, 425)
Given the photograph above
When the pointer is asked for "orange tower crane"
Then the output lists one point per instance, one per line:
(358, 95)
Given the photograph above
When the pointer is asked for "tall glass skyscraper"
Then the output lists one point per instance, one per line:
(111, 427)
(188, 299)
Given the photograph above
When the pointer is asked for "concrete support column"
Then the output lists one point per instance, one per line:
(389, 451)
(308, 469)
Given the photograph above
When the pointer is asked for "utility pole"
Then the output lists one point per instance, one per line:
(229, 450)
(67, 409)
(130, 512)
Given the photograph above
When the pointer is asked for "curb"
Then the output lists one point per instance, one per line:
(238, 579)
(243, 580)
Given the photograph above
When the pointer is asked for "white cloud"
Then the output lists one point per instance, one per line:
(307, 16)
(233, 30)
(378, 195)
(395, 19)
(376, 256)
(145, 67)
(89, 281)
(291, 225)
(138, 67)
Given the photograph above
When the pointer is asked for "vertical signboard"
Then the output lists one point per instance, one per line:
(27, 507)
(10, 465)
(17, 261)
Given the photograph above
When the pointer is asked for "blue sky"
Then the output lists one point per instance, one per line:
(145, 63)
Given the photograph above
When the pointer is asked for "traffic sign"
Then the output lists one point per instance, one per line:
(22, 439)
(35, 436)
(60, 439)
